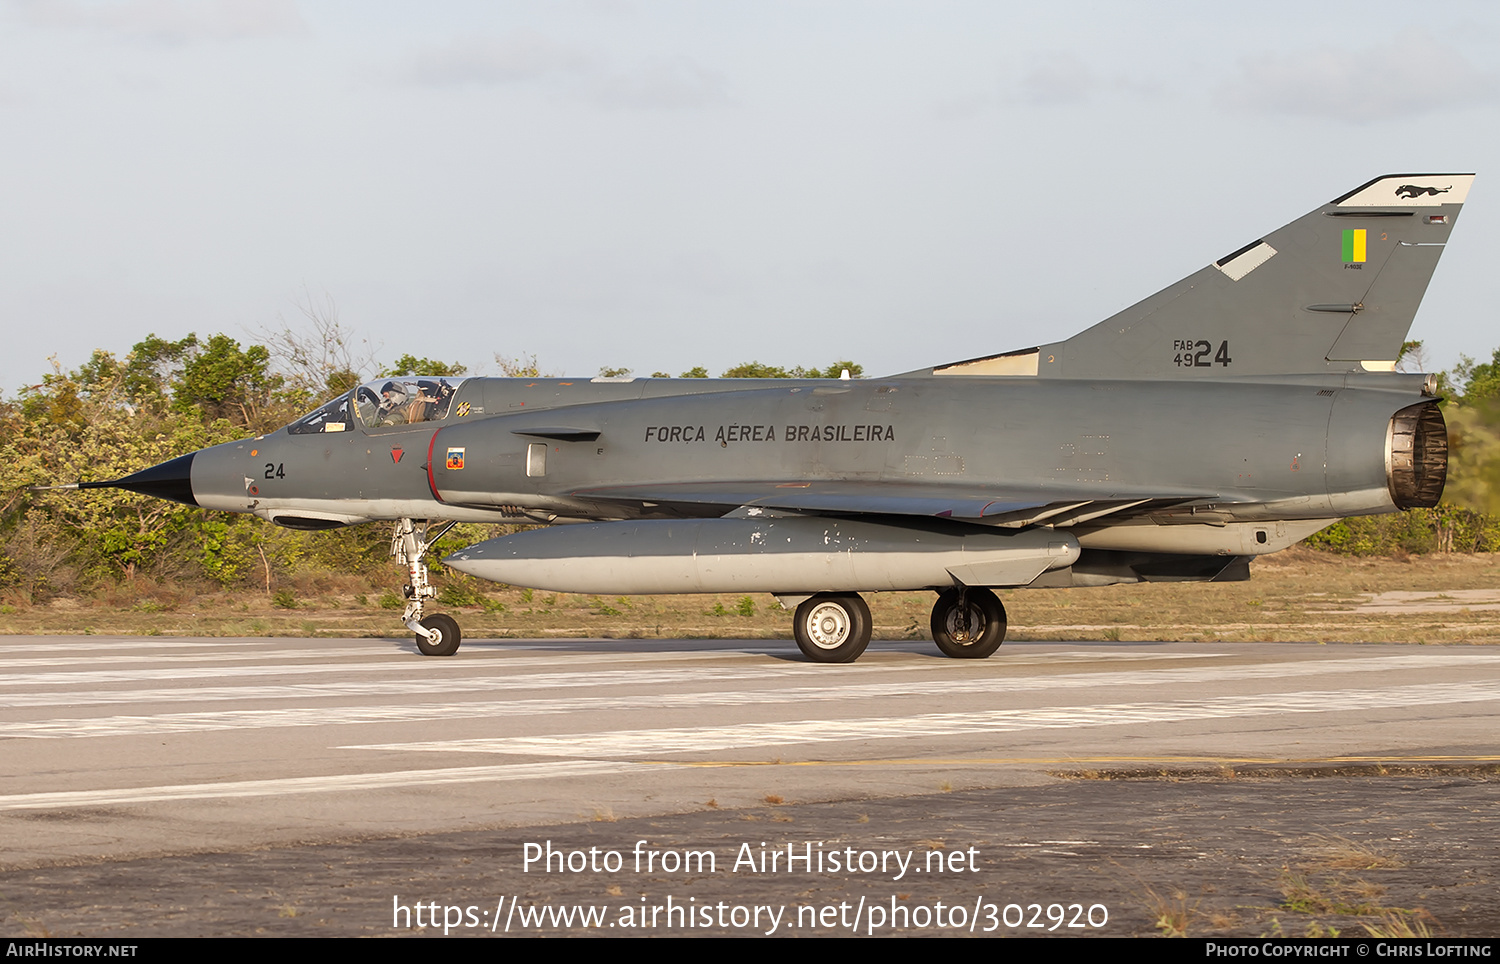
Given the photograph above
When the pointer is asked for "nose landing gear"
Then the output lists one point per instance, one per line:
(438, 634)
(443, 636)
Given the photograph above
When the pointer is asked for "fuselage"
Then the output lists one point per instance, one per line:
(542, 450)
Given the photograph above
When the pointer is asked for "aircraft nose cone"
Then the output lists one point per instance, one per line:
(169, 480)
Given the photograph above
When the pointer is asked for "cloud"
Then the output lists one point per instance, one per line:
(666, 84)
(170, 21)
(525, 58)
(964, 106)
(1059, 79)
(1413, 74)
(517, 58)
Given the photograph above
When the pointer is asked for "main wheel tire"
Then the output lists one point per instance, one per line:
(445, 636)
(832, 628)
(977, 636)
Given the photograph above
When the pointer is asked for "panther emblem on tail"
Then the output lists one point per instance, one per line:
(1416, 191)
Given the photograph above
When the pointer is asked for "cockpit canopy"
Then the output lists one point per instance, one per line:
(399, 400)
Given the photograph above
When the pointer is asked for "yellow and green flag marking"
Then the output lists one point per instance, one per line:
(1354, 246)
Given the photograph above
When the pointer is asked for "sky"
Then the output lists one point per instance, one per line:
(657, 186)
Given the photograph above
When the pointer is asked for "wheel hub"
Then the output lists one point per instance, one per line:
(965, 627)
(828, 626)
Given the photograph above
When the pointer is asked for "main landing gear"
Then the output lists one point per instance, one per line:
(438, 634)
(832, 627)
(967, 623)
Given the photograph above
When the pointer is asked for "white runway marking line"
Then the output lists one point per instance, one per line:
(399, 665)
(95, 659)
(455, 684)
(635, 743)
(518, 664)
(378, 648)
(111, 644)
(396, 663)
(138, 725)
(487, 684)
(324, 784)
(406, 687)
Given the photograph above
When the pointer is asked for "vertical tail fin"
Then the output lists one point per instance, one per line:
(1335, 290)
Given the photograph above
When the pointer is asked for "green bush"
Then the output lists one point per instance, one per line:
(1446, 528)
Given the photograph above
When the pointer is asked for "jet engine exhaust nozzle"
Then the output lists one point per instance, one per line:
(1417, 459)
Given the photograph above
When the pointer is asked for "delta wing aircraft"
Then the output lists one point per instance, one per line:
(1229, 415)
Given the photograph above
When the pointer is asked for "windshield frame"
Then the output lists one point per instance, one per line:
(324, 418)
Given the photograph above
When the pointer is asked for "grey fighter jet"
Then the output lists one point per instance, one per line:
(1229, 415)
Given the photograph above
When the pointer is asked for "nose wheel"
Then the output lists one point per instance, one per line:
(443, 636)
(968, 623)
(832, 628)
(437, 634)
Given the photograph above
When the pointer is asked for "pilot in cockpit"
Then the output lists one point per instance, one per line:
(392, 398)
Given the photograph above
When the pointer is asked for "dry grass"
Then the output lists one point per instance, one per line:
(1303, 896)
(1338, 895)
(1340, 853)
(1222, 920)
(1319, 889)
(1296, 596)
(1397, 923)
(1172, 915)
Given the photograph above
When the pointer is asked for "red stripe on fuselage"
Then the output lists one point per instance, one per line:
(431, 481)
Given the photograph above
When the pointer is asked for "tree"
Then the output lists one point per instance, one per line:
(755, 369)
(153, 367)
(524, 366)
(224, 381)
(1479, 381)
(409, 364)
(837, 369)
(101, 437)
(319, 362)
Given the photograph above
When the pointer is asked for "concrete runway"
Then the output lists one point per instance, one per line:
(154, 751)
